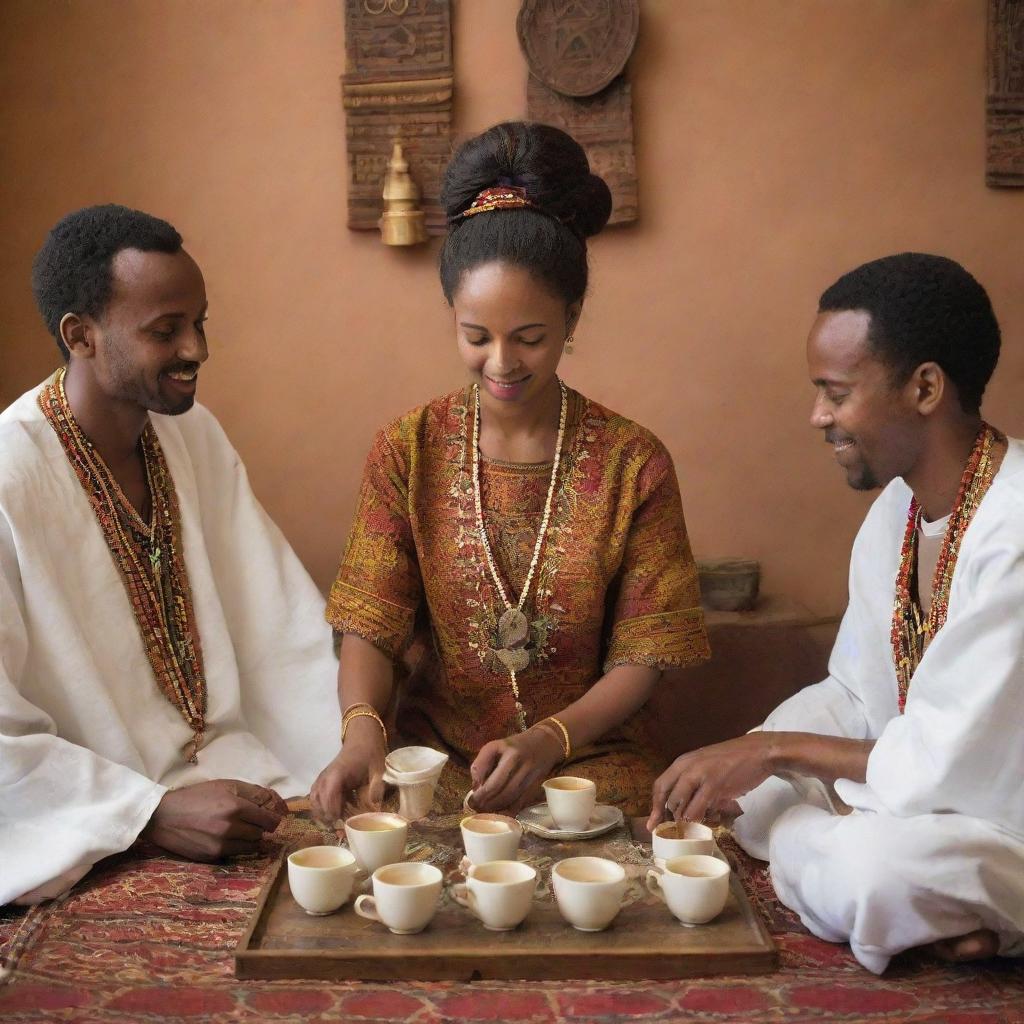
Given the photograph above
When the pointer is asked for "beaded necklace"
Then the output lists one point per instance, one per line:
(513, 626)
(909, 627)
(148, 557)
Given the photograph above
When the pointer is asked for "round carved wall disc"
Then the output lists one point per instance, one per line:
(577, 47)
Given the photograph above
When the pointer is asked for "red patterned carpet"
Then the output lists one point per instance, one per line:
(147, 937)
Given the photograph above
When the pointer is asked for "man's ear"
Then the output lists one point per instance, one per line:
(927, 387)
(78, 334)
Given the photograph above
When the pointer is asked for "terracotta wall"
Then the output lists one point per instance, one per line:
(778, 144)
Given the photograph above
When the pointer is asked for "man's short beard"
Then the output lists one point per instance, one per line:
(132, 388)
(864, 481)
(186, 403)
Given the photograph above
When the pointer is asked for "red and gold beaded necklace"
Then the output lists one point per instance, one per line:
(148, 557)
(909, 627)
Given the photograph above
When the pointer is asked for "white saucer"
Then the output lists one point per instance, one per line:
(537, 819)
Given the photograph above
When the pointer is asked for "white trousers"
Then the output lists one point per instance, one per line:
(886, 884)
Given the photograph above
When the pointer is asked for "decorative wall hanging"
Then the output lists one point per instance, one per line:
(576, 51)
(1005, 100)
(397, 85)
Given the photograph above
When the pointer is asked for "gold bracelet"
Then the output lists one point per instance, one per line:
(354, 711)
(363, 714)
(564, 737)
(565, 734)
(353, 707)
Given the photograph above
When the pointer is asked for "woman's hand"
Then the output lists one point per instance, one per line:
(507, 771)
(359, 766)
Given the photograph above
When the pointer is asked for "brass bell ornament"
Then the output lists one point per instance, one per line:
(402, 221)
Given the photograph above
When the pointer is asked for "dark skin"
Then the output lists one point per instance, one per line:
(878, 430)
(142, 354)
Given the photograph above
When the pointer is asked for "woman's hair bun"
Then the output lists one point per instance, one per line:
(545, 161)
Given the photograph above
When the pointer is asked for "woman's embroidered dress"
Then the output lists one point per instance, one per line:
(616, 584)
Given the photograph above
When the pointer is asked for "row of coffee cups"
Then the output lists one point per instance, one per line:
(589, 891)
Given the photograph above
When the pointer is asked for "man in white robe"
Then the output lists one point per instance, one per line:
(894, 830)
(92, 753)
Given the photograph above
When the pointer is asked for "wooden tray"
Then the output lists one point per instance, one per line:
(644, 941)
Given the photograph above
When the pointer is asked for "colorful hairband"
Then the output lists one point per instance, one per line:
(500, 197)
(508, 197)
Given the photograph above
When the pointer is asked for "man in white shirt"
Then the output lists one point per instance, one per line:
(888, 797)
(164, 664)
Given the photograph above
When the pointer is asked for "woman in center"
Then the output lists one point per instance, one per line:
(520, 549)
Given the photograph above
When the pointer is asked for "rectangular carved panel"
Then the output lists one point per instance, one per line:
(1005, 100)
(397, 85)
(603, 126)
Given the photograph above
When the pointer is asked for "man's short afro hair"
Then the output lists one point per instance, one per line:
(924, 309)
(71, 272)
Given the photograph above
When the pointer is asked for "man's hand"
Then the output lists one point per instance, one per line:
(359, 766)
(507, 771)
(211, 820)
(708, 781)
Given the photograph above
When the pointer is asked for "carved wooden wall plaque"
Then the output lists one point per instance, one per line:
(603, 126)
(1005, 100)
(397, 85)
(576, 51)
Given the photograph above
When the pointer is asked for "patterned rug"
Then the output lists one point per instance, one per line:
(147, 937)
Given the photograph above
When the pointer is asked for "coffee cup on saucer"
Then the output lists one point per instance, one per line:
(499, 893)
(681, 839)
(588, 891)
(694, 887)
(488, 837)
(405, 897)
(571, 801)
(320, 878)
(377, 838)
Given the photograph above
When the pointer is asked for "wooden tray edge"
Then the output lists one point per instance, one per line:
(242, 950)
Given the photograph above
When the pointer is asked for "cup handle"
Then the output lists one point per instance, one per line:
(653, 882)
(465, 897)
(366, 906)
(466, 805)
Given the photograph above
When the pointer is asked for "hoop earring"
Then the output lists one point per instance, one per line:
(569, 345)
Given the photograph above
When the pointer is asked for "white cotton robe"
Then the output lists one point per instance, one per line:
(934, 847)
(88, 743)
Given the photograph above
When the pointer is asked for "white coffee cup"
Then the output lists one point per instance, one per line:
(488, 837)
(499, 893)
(320, 878)
(377, 838)
(571, 801)
(694, 887)
(681, 839)
(404, 897)
(588, 891)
